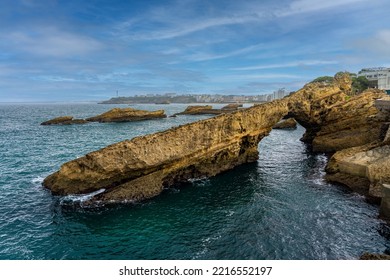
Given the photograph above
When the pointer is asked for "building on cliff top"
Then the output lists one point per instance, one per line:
(379, 77)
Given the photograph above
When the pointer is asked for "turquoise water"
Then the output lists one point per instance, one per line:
(276, 208)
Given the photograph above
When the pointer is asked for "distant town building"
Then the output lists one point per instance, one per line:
(379, 77)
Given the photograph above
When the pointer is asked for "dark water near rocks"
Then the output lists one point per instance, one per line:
(277, 208)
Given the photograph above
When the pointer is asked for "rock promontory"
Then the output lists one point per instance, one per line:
(127, 115)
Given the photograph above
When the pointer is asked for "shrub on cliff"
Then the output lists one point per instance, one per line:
(323, 79)
(359, 84)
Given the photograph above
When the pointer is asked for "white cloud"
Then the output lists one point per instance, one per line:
(212, 56)
(307, 6)
(287, 64)
(188, 27)
(52, 42)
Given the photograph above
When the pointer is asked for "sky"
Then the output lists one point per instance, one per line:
(54, 50)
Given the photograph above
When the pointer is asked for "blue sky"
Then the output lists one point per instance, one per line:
(53, 50)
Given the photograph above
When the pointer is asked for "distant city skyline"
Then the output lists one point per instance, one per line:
(88, 50)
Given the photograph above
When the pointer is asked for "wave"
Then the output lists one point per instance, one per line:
(79, 198)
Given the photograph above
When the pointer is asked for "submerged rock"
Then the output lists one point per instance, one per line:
(64, 120)
(289, 123)
(127, 115)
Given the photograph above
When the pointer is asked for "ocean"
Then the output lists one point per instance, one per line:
(277, 208)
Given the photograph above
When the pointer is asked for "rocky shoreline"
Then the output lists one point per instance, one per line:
(351, 128)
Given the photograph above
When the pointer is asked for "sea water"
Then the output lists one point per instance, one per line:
(279, 207)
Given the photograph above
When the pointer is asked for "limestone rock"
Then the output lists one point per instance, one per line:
(140, 168)
(334, 120)
(127, 115)
(64, 120)
(289, 123)
(361, 168)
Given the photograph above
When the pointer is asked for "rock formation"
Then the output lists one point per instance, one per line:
(199, 110)
(64, 120)
(289, 123)
(126, 115)
(140, 168)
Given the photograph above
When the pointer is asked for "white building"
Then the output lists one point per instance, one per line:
(378, 77)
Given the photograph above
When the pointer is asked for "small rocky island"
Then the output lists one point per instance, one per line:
(209, 110)
(127, 115)
(114, 115)
(350, 127)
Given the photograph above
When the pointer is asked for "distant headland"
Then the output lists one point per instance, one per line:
(168, 98)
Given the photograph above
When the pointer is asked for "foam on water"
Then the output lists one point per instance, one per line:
(79, 198)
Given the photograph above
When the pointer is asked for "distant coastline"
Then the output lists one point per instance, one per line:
(169, 98)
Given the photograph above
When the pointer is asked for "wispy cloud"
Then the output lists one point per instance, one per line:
(308, 6)
(51, 42)
(212, 56)
(188, 27)
(287, 65)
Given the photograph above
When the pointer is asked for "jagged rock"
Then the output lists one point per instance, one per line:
(64, 120)
(127, 115)
(289, 123)
(371, 256)
(140, 168)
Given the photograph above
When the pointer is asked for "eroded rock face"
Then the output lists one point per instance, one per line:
(64, 120)
(362, 168)
(126, 115)
(139, 168)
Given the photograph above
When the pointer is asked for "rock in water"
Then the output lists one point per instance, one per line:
(290, 123)
(127, 115)
(64, 120)
(200, 110)
(140, 168)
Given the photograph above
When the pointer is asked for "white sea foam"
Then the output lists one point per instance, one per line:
(37, 180)
(81, 197)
